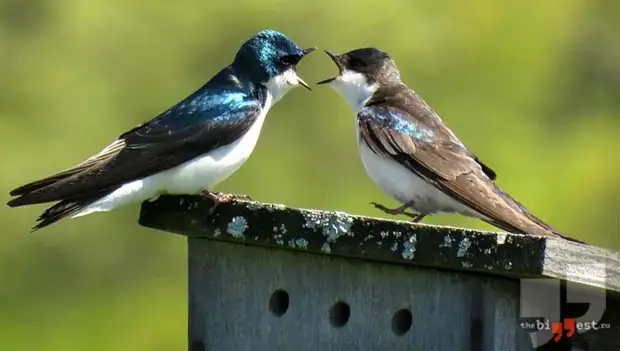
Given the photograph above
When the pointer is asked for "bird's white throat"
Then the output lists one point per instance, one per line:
(354, 87)
(282, 83)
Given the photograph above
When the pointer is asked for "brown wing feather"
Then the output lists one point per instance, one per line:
(450, 167)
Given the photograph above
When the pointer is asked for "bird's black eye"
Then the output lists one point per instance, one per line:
(289, 60)
(354, 62)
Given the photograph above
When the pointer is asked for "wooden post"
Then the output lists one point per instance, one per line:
(269, 277)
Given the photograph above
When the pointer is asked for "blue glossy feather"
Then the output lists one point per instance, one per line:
(266, 48)
(208, 106)
(215, 116)
(398, 121)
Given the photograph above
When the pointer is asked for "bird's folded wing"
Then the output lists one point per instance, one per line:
(443, 162)
(430, 151)
(161, 144)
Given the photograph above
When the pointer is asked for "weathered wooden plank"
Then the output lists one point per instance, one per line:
(340, 234)
(403, 286)
(236, 304)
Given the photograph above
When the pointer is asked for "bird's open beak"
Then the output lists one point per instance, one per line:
(336, 60)
(300, 81)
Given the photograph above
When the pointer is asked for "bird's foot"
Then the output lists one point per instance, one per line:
(220, 198)
(417, 218)
(393, 211)
(402, 210)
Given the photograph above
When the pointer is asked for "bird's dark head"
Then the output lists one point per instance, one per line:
(361, 73)
(271, 58)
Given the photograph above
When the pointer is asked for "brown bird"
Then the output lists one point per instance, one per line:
(414, 157)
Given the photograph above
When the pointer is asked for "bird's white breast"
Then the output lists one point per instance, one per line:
(392, 177)
(405, 186)
(208, 170)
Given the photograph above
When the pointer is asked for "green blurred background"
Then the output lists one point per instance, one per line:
(531, 87)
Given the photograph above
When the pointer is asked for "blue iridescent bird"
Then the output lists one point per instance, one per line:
(187, 149)
(413, 156)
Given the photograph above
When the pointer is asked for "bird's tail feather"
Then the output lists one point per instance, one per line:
(530, 224)
(63, 209)
(41, 183)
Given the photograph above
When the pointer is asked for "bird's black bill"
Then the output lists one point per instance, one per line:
(309, 51)
(326, 81)
(306, 52)
(336, 60)
(303, 84)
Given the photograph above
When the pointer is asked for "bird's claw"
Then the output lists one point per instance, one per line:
(221, 198)
(416, 217)
(392, 211)
(380, 207)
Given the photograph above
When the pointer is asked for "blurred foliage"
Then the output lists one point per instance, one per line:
(531, 87)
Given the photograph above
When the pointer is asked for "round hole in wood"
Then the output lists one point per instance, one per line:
(401, 322)
(339, 314)
(278, 302)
